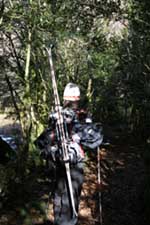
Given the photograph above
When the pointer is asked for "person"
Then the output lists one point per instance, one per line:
(81, 134)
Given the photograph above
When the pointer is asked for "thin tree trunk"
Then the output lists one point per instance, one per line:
(12, 96)
(28, 56)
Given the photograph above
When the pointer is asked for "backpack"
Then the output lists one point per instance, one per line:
(90, 135)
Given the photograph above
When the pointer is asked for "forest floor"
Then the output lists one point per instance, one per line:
(119, 196)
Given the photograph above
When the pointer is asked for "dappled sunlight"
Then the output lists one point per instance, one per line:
(121, 186)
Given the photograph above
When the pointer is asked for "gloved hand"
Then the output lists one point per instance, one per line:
(54, 115)
(76, 138)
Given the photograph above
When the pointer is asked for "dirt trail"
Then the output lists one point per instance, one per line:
(124, 172)
(123, 177)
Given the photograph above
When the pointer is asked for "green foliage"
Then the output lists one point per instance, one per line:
(83, 54)
(7, 177)
(147, 181)
(104, 46)
(30, 210)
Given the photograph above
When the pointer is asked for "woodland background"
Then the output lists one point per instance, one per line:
(103, 46)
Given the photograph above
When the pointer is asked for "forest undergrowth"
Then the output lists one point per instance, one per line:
(121, 197)
(122, 190)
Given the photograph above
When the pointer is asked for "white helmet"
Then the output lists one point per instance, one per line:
(71, 92)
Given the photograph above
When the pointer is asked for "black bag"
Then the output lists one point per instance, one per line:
(46, 144)
(43, 139)
(90, 135)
